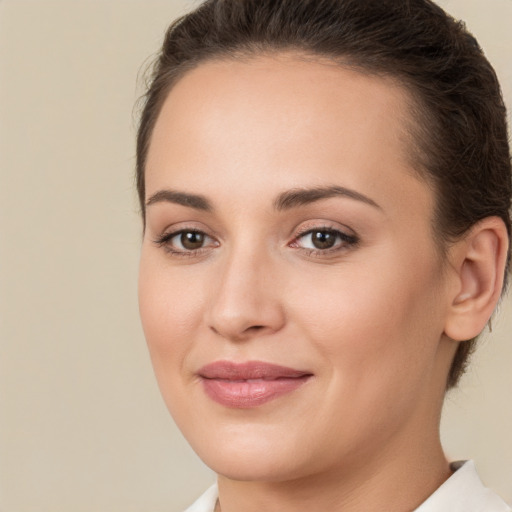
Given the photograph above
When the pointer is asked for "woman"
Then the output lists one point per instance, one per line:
(325, 187)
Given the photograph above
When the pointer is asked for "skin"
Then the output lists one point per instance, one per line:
(367, 319)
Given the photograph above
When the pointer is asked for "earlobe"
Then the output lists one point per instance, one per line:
(479, 261)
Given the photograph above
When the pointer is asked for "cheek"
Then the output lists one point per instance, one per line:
(378, 323)
(170, 309)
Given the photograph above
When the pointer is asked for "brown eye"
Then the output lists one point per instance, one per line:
(191, 240)
(323, 239)
(186, 242)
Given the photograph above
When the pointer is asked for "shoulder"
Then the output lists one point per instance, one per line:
(464, 492)
(206, 503)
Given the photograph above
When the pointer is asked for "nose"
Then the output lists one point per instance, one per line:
(247, 300)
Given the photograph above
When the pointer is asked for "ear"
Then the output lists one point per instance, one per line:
(478, 261)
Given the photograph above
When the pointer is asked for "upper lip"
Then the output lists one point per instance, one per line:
(228, 370)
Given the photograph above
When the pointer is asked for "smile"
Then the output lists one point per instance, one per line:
(249, 384)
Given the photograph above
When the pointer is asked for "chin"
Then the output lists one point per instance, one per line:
(262, 467)
(247, 457)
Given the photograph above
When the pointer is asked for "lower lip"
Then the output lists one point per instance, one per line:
(243, 394)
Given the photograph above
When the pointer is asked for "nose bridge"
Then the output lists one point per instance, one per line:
(246, 301)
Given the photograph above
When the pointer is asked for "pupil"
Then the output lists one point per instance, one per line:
(324, 239)
(191, 240)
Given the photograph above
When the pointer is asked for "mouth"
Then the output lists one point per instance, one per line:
(250, 384)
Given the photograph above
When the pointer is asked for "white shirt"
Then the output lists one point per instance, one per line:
(462, 492)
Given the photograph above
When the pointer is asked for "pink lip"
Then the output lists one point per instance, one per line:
(249, 384)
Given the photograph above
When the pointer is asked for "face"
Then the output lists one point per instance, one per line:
(290, 289)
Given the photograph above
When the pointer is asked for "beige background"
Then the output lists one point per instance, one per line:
(82, 425)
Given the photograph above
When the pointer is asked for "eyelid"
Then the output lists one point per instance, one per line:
(167, 230)
(324, 225)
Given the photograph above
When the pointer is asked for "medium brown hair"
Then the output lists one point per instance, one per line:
(459, 131)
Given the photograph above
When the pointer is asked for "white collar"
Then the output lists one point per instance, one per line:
(206, 503)
(462, 492)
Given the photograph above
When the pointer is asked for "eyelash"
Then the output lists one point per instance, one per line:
(165, 242)
(344, 242)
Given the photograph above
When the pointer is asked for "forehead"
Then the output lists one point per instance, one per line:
(292, 86)
(283, 116)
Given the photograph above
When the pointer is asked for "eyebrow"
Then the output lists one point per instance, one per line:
(182, 198)
(303, 196)
(284, 201)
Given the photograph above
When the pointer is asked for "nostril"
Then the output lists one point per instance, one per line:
(256, 328)
(240, 333)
